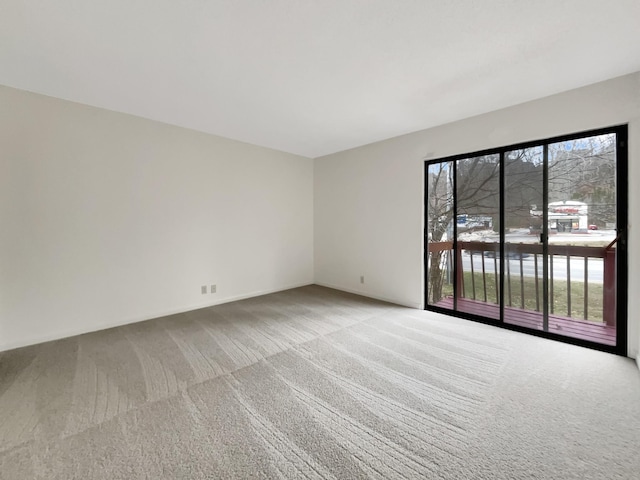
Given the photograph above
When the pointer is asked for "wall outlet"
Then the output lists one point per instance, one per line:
(203, 289)
(361, 278)
(213, 289)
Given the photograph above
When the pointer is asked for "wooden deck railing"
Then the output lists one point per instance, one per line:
(490, 252)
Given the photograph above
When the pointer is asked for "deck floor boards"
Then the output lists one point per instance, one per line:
(570, 327)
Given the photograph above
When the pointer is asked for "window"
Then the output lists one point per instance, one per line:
(532, 237)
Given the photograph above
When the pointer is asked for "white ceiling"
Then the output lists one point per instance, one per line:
(313, 77)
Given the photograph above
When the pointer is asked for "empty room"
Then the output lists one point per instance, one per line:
(319, 239)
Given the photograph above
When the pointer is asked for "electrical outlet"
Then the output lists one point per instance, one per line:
(203, 289)
(361, 278)
(213, 289)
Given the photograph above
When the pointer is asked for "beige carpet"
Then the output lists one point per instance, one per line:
(314, 383)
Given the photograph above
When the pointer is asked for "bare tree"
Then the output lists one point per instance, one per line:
(583, 169)
(477, 191)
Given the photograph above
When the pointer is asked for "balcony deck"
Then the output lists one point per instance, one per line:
(570, 327)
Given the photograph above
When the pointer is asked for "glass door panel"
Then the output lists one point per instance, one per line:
(440, 258)
(582, 233)
(478, 235)
(523, 229)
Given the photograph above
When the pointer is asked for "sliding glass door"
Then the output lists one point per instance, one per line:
(524, 236)
(478, 213)
(531, 237)
(585, 228)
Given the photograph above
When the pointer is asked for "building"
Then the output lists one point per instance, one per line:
(568, 216)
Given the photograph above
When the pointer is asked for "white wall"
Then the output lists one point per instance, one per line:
(107, 219)
(369, 210)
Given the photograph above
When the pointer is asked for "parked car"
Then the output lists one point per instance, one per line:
(593, 227)
(512, 255)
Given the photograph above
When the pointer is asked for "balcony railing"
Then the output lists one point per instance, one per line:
(481, 282)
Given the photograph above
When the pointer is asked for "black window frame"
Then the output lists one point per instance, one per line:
(622, 197)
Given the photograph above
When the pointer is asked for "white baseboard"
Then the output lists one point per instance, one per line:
(367, 294)
(48, 337)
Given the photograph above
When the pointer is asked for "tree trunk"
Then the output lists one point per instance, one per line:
(435, 278)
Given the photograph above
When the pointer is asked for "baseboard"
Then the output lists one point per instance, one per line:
(104, 326)
(369, 295)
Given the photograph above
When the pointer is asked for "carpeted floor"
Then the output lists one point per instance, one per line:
(315, 383)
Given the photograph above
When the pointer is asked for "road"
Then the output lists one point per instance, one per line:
(594, 266)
